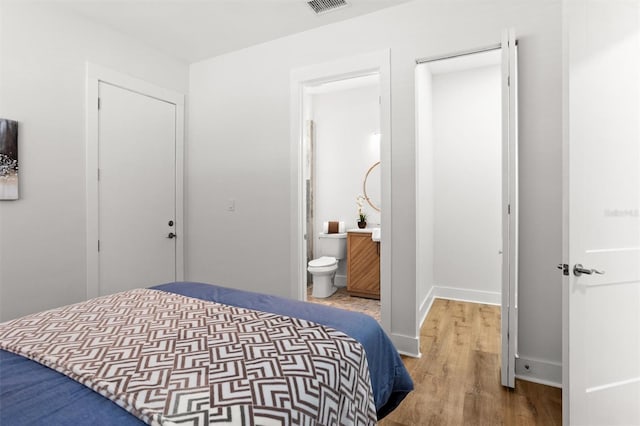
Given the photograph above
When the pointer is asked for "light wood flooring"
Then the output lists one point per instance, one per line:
(457, 380)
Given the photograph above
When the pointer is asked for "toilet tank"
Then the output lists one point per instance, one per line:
(333, 245)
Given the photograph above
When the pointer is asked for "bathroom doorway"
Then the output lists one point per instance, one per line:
(341, 145)
(340, 129)
(466, 166)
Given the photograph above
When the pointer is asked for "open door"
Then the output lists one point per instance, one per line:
(601, 294)
(509, 309)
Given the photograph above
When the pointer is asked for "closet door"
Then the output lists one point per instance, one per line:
(510, 210)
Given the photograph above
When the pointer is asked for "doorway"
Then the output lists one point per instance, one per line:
(342, 155)
(466, 184)
(343, 69)
(134, 184)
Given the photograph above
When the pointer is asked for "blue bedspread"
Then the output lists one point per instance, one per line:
(34, 394)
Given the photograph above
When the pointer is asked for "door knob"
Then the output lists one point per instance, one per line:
(578, 270)
(171, 235)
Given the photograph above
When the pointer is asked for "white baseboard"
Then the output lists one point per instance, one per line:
(425, 307)
(467, 295)
(340, 281)
(406, 345)
(539, 371)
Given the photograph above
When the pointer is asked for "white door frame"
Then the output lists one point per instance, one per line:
(509, 314)
(379, 62)
(94, 75)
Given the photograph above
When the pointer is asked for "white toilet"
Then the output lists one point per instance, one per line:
(332, 248)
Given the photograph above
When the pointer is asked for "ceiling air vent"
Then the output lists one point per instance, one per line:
(324, 6)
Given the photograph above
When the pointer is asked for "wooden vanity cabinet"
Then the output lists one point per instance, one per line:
(363, 265)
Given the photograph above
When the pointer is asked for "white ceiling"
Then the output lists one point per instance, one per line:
(193, 30)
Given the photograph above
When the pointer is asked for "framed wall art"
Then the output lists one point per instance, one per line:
(8, 159)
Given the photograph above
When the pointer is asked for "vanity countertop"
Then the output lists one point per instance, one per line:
(362, 231)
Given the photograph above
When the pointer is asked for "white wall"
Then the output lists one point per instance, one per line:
(239, 147)
(344, 121)
(467, 109)
(42, 85)
(425, 210)
(344, 150)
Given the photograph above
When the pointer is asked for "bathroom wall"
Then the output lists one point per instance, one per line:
(467, 180)
(345, 148)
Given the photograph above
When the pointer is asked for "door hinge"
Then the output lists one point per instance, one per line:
(98, 103)
(98, 245)
(564, 267)
(508, 208)
(509, 80)
(98, 174)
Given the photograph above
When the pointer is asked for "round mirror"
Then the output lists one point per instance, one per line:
(371, 186)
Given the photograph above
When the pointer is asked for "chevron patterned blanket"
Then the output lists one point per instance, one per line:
(171, 359)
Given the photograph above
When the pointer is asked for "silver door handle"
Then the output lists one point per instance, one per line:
(578, 270)
(171, 235)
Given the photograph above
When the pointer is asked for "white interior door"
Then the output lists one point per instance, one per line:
(137, 190)
(601, 354)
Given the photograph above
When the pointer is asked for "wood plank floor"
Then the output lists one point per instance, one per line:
(457, 380)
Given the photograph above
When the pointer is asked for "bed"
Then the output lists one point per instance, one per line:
(32, 393)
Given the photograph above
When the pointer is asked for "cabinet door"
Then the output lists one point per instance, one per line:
(363, 275)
